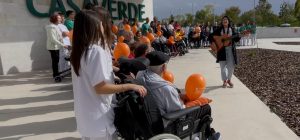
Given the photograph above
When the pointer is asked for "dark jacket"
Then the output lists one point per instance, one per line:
(221, 54)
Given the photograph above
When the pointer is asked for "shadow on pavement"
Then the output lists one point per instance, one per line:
(50, 97)
(38, 128)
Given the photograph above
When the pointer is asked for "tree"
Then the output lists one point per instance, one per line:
(171, 18)
(264, 14)
(205, 15)
(180, 19)
(246, 16)
(189, 18)
(286, 13)
(233, 13)
(297, 9)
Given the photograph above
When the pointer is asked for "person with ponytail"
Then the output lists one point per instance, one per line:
(92, 76)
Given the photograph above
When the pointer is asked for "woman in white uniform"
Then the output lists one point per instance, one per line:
(92, 76)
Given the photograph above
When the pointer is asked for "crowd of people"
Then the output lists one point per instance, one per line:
(171, 38)
(88, 39)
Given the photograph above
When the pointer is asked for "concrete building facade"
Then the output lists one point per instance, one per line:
(22, 32)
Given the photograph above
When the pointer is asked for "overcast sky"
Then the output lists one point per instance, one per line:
(163, 8)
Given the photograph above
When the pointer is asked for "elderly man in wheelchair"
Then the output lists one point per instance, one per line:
(162, 110)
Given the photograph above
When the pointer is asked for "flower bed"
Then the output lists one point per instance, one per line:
(274, 76)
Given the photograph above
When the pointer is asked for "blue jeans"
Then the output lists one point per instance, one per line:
(227, 67)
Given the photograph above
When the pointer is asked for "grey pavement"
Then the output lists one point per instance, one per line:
(33, 107)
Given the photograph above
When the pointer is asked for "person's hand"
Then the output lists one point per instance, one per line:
(64, 34)
(66, 47)
(117, 79)
(140, 89)
(116, 69)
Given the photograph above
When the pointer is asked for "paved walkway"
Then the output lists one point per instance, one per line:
(32, 107)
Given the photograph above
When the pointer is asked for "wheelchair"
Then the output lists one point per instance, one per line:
(139, 118)
(159, 44)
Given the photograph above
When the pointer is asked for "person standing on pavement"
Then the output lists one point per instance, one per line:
(54, 42)
(226, 56)
(145, 27)
(69, 22)
(64, 52)
(92, 76)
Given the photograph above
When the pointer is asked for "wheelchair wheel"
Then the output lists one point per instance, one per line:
(165, 136)
(57, 79)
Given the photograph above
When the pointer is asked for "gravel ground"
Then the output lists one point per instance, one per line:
(274, 76)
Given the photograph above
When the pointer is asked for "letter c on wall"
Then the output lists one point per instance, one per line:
(33, 11)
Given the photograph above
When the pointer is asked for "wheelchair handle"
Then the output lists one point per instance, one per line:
(130, 93)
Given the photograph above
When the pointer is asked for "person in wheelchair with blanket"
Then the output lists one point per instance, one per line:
(164, 108)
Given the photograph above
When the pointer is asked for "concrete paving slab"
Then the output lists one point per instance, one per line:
(33, 107)
(238, 114)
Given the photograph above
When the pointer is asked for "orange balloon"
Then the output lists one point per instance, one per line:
(151, 37)
(127, 27)
(114, 29)
(194, 86)
(159, 33)
(134, 29)
(120, 50)
(145, 40)
(198, 102)
(121, 39)
(168, 76)
(70, 35)
(171, 40)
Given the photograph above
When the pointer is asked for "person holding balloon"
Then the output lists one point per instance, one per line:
(167, 97)
(92, 75)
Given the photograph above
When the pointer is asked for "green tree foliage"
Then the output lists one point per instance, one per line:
(172, 17)
(286, 13)
(180, 19)
(233, 13)
(189, 19)
(262, 15)
(247, 16)
(205, 15)
(265, 15)
(297, 9)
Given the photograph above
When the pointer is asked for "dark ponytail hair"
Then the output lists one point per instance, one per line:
(87, 31)
(106, 23)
